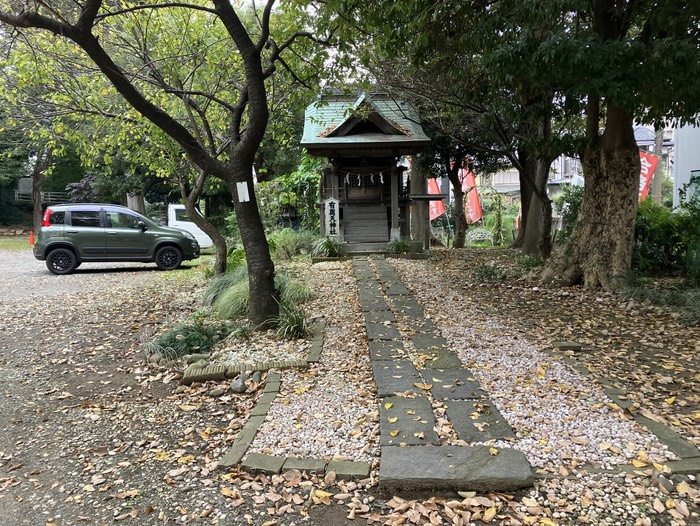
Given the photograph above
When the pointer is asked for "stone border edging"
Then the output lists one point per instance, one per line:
(688, 462)
(201, 372)
(271, 464)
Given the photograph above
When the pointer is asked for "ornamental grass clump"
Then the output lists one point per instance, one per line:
(197, 336)
(291, 323)
(229, 295)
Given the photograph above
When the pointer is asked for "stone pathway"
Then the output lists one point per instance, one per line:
(412, 459)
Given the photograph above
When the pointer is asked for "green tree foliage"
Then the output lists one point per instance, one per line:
(202, 75)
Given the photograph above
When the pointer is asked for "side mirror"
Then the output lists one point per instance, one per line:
(143, 226)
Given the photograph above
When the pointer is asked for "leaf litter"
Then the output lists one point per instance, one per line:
(149, 460)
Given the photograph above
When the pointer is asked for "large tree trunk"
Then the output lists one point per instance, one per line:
(264, 297)
(461, 223)
(599, 251)
(537, 236)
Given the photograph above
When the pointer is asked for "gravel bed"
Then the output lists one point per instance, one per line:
(328, 411)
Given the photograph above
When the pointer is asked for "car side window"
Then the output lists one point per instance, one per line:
(85, 218)
(181, 215)
(57, 218)
(122, 220)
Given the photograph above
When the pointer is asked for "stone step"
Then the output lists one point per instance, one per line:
(428, 470)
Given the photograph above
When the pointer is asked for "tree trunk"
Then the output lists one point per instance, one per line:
(527, 183)
(599, 252)
(136, 202)
(264, 297)
(210, 230)
(461, 223)
(191, 198)
(419, 209)
(537, 237)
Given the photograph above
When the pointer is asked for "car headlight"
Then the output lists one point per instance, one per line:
(188, 235)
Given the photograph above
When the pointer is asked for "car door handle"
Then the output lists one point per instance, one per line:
(111, 233)
(72, 231)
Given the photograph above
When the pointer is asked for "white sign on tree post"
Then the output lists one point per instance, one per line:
(332, 217)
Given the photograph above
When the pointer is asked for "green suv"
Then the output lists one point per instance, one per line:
(73, 233)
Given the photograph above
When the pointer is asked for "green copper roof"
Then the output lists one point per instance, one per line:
(370, 121)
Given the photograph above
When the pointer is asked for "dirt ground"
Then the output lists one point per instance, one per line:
(93, 435)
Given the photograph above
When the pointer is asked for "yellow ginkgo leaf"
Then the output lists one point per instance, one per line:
(410, 412)
(388, 405)
(489, 514)
(394, 433)
(493, 451)
(547, 522)
(683, 487)
(393, 419)
(670, 400)
(639, 463)
(322, 494)
(423, 386)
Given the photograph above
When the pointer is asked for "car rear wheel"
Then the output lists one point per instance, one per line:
(168, 258)
(61, 261)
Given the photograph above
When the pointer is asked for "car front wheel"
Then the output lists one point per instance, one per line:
(61, 261)
(168, 258)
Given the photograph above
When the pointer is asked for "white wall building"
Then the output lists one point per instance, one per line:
(686, 165)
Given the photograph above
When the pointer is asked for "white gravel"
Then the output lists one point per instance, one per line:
(560, 417)
(328, 411)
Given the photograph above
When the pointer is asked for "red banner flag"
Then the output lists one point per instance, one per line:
(437, 208)
(472, 202)
(649, 163)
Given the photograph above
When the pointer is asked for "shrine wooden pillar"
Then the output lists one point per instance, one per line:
(395, 232)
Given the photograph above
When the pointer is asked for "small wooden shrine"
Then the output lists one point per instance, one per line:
(364, 194)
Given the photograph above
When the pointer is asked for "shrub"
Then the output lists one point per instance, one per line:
(292, 291)
(291, 323)
(285, 243)
(399, 246)
(327, 247)
(229, 295)
(235, 257)
(490, 273)
(222, 282)
(659, 246)
(305, 240)
(199, 335)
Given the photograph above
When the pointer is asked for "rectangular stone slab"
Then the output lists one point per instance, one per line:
(441, 359)
(408, 307)
(477, 420)
(427, 340)
(386, 349)
(442, 470)
(379, 316)
(408, 421)
(396, 376)
(397, 289)
(374, 304)
(453, 384)
(382, 331)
